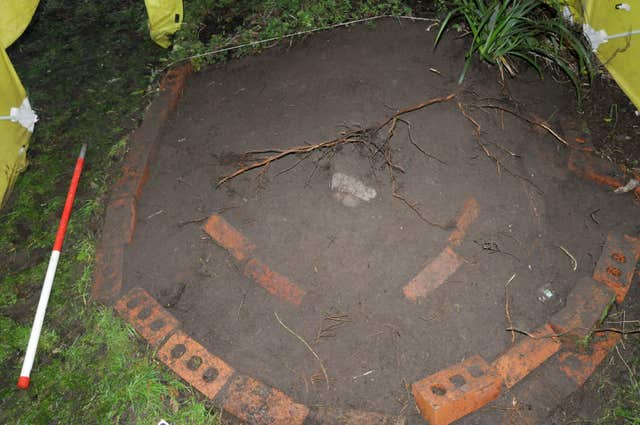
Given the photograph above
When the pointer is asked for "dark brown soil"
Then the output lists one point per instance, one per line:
(355, 260)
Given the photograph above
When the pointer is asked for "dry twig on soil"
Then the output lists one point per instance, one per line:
(324, 371)
(507, 311)
(532, 336)
(574, 262)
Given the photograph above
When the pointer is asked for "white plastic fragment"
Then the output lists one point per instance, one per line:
(596, 38)
(567, 15)
(623, 6)
(23, 115)
(631, 185)
(545, 294)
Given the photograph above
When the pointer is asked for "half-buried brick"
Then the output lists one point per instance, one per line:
(590, 167)
(617, 263)
(457, 391)
(467, 215)
(580, 366)
(273, 282)
(193, 363)
(258, 404)
(524, 357)
(586, 304)
(337, 416)
(119, 221)
(433, 275)
(229, 238)
(146, 316)
(107, 278)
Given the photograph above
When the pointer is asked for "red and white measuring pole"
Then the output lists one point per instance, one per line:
(23, 381)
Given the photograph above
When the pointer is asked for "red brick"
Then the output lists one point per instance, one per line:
(258, 404)
(119, 222)
(273, 282)
(457, 391)
(433, 275)
(146, 316)
(337, 416)
(467, 215)
(617, 263)
(586, 303)
(580, 366)
(229, 238)
(590, 167)
(524, 357)
(107, 278)
(130, 183)
(175, 79)
(193, 363)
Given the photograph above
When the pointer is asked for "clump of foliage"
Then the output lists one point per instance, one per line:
(531, 31)
(211, 25)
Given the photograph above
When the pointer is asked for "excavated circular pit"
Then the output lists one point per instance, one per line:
(391, 261)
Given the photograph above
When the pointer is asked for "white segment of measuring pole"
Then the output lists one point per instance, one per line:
(40, 312)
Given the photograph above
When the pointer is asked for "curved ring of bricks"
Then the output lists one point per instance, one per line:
(442, 397)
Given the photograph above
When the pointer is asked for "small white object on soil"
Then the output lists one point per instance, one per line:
(631, 185)
(350, 191)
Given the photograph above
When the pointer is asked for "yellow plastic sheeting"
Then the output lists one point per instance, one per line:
(165, 18)
(14, 19)
(620, 53)
(14, 138)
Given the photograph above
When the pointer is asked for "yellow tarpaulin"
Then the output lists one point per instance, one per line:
(14, 19)
(165, 18)
(613, 28)
(14, 136)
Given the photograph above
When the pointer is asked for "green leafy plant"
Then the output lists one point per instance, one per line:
(505, 31)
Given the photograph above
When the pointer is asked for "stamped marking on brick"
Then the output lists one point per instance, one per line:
(146, 315)
(455, 392)
(195, 364)
(617, 263)
(258, 404)
(433, 275)
(524, 357)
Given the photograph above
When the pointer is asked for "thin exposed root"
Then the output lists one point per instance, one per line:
(507, 311)
(531, 121)
(324, 371)
(359, 136)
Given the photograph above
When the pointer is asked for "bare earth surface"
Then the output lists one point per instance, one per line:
(353, 257)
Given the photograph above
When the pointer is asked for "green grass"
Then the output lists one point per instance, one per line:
(530, 31)
(239, 22)
(89, 68)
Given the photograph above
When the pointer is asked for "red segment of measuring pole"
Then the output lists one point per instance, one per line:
(24, 380)
(66, 213)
